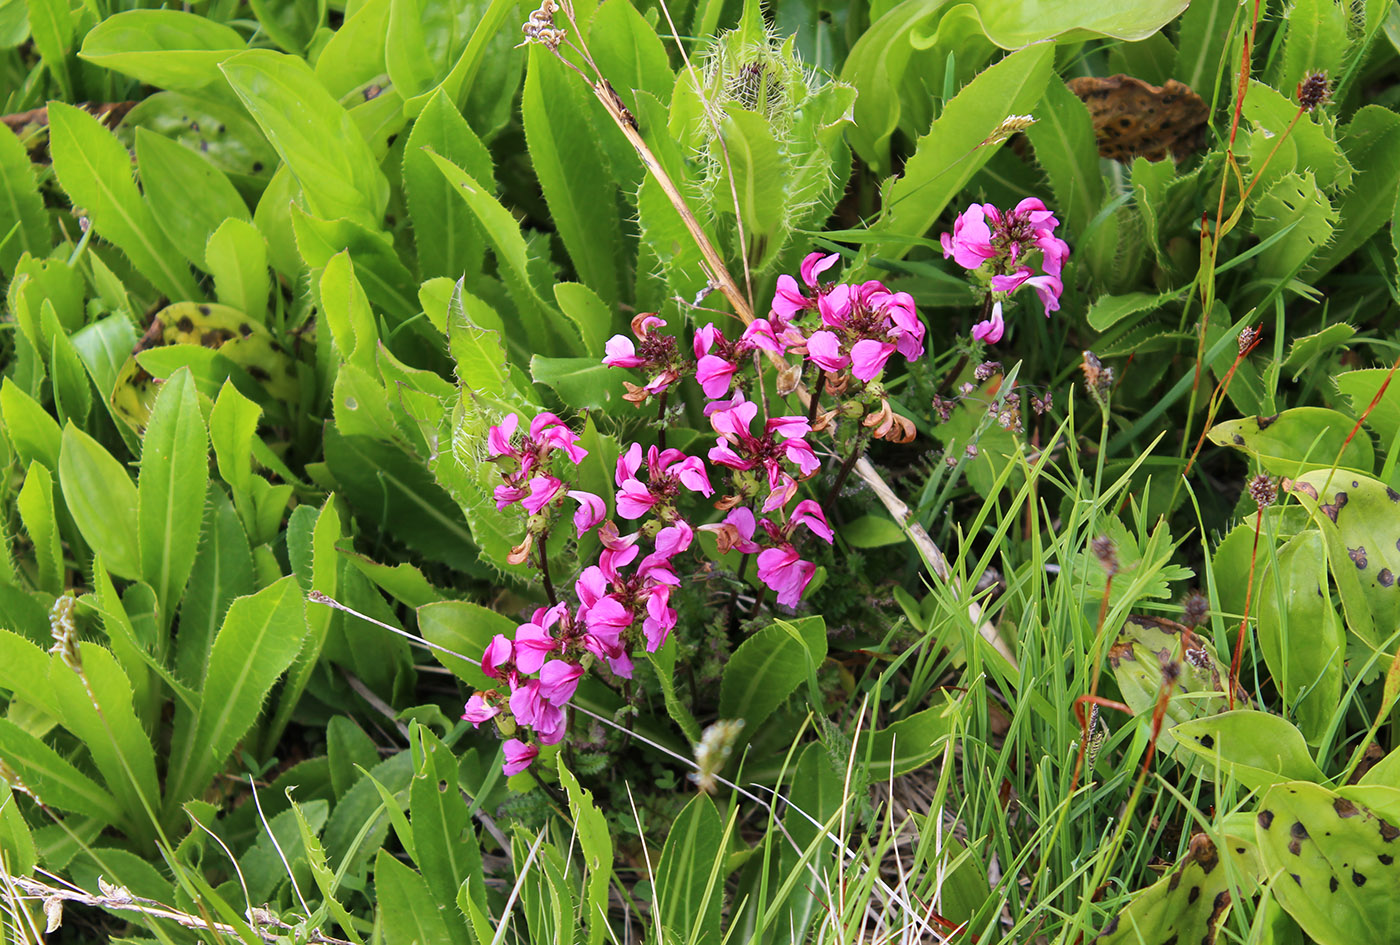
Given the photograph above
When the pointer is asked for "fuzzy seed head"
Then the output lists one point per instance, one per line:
(1314, 90)
(1263, 490)
(1247, 338)
(1195, 609)
(712, 751)
(1012, 124)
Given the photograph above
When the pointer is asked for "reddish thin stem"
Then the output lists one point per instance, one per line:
(1244, 621)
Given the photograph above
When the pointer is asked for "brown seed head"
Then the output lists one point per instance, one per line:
(1247, 339)
(1107, 552)
(1263, 490)
(1195, 608)
(1314, 90)
(986, 369)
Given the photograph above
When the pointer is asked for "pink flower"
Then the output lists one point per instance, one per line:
(550, 724)
(1047, 287)
(618, 550)
(533, 641)
(714, 375)
(518, 756)
(991, 329)
(788, 300)
(970, 244)
(692, 474)
(478, 710)
(660, 620)
(498, 653)
(622, 353)
(800, 454)
(868, 358)
(558, 680)
(824, 348)
(760, 335)
(548, 429)
(736, 531)
(509, 495)
(634, 499)
(784, 571)
(814, 265)
(498, 438)
(810, 514)
(542, 489)
(673, 539)
(788, 427)
(590, 512)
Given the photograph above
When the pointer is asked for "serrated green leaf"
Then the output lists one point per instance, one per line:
(445, 231)
(102, 500)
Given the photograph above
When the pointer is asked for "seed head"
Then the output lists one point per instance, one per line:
(1098, 380)
(1314, 90)
(540, 28)
(1195, 608)
(1012, 124)
(712, 751)
(1247, 339)
(1107, 552)
(1263, 490)
(986, 369)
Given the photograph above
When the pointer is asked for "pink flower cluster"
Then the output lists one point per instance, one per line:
(1009, 241)
(525, 467)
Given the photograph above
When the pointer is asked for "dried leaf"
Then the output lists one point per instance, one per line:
(1133, 119)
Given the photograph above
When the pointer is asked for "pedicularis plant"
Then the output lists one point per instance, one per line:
(598, 472)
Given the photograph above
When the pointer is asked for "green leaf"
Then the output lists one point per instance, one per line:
(912, 742)
(300, 118)
(688, 902)
(396, 492)
(582, 383)
(1361, 388)
(1255, 748)
(767, 667)
(1371, 143)
(56, 781)
(170, 49)
(173, 482)
(223, 572)
(102, 500)
(1063, 138)
(1189, 904)
(260, 637)
(945, 159)
(35, 434)
(1109, 310)
(1317, 41)
(1205, 30)
(443, 839)
(95, 170)
(1301, 635)
(51, 26)
(444, 230)
(581, 305)
(21, 207)
(347, 312)
(407, 906)
(353, 56)
(664, 662)
(567, 160)
(236, 256)
(512, 256)
(595, 842)
(1357, 517)
(872, 531)
(36, 511)
(466, 628)
(1304, 351)
(214, 123)
(386, 280)
(1307, 144)
(189, 197)
(1293, 200)
(1332, 862)
(71, 392)
(628, 50)
(1297, 440)
(321, 873)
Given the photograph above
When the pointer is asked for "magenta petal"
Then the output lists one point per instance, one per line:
(713, 374)
(990, 330)
(558, 680)
(518, 756)
(868, 358)
(824, 348)
(814, 265)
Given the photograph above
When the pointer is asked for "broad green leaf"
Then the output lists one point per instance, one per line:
(290, 25)
(1308, 349)
(947, 157)
(353, 56)
(258, 640)
(72, 393)
(110, 730)
(170, 493)
(1189, 904)
(443, 838)
(1301, 635)
(1255, 748)
(629, 51)
(404, 582)
(582, 383)
(36, 511)
(1297, 440)
(537, 322)
(300, 118)
(1205, 29)
(564, 151)
(213, 122)
(189, 197)
(396, 492)
(361, 406)
(596, 844)
(1357, 517)
(683, 872)
(1332, 863)
(912, 742)
(170, 49)
(358, 823)
(444, 230)
(232, 424)
(347, 312)
(35, 434)
(466, 628)
(53, 779)
(1362, 388)
(102, 500)
(51, 27)
(1316, 41)
(1308, 144)
(386, 280)
(1063, 138)
(104, 347)
(767, 667)
(581, 305)
(1293, 200)
(95, 170)
(24, 670)
(407, 906)
(423, 36)
(1371, 143)
(21, 206)
(872, 531)
(754, 181)
(1143, 647)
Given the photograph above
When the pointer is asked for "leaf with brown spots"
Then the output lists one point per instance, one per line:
(1332, 863)
(1144, 647)
(1133, 119)
(1186, 905)
(1297, 440)
(1360, 521)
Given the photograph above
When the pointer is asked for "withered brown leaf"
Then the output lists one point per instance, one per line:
(1133, 119)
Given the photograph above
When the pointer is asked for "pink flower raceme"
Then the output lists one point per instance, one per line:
(718, 359)
(984, 234)
(782, 440)
(525, 460)
(654, 353)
